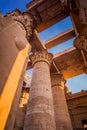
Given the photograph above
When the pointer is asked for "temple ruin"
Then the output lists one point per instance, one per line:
(42, 102)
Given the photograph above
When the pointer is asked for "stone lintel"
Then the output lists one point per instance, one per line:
(60, 38)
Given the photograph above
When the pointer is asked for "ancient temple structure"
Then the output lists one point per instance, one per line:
(42, 102)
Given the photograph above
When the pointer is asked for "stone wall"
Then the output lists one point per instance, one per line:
(77, 105)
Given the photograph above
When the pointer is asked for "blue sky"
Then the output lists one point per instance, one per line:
(55, 30)
(9, 5)
(75, 84)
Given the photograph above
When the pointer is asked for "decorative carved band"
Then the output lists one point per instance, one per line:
(26, 19)
(41, 56)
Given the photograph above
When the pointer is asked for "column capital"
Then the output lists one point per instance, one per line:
(39, 56)
(81, 42)
(26, 20)
(57, 80)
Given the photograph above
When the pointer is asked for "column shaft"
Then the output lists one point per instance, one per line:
(40, 113)
(62, 117)
(15, 27)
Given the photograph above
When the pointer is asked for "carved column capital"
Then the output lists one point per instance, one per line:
(26, 19)
(41, 56)
(58, 80)
(81, 42)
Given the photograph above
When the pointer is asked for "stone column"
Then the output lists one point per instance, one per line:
(40, 112)
(16, 29)
(62, 117)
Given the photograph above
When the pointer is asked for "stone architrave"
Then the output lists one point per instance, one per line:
(40, 112)
(62, 117)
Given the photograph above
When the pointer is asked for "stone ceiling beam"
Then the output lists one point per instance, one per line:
(69, 62)
(47, 12)
(50, 22)
(34, 4)
(64, 52)
(62, 37)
